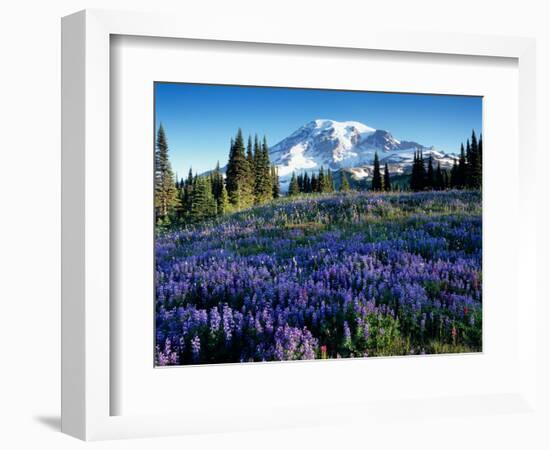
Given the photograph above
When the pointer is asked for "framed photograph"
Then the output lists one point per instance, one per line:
(339, 241)
(278, 229)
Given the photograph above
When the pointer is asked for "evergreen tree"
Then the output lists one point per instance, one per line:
(461, 172)
(251, 164)
(204, 205)
(314, 183)
(257, 168)
(421, 172)
(480, 152)
(430, 175)
(178, 209)
(223, 203)
(307, 183)
(187, 193)
(387, 182)
(473, 143)
(439, 183)
(300, 181)
(321, 180)
(468, 166)
(275, 187)
(414, 173)
(474, 174)
(329, 181)
(267, 186)
(344, 186)
(166, 196)
(263, 186)
(418, 175)
(217, 184)
(293, 188)
(376, 176)
(238, 175)
(454, 179)
(249, 152)
(446, 179)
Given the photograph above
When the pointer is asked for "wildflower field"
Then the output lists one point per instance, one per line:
(356, 274)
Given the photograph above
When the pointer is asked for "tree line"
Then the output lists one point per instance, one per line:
(316, 183)
(324, 182)
(250, 180)
(466, 172)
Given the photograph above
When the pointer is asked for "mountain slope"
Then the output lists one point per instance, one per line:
(346, 145)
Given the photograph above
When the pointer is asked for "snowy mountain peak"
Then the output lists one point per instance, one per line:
(344, 145)
(321, 142)
(348, 126)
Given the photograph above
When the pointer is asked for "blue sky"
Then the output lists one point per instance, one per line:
(199, 120)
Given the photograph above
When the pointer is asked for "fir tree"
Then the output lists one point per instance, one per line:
(178, 209)
(329, 181)
(439, 182)
(454, 179)
(387, 182)
(249, 152)
(307, 183)
(414, 173)
(166, 196)
(421, 171)
(321, 180)
(217, 184)
(187, 193)
(376, 176)
(480, 152)
(314, 183)
(474, 174)
(204, 205)
(257, 167)
(300, 181)
(461, 172)
(275, 186)
(418, 175)
(430, 175)
(267, 187)
(238, 175)
(446, 179)
(293, 188)
(263, 188)
(251, 163)
(223, 202)
(344, 186)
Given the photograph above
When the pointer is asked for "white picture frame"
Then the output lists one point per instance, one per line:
(87, 386)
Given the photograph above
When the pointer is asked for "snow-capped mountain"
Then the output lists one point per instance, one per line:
(346, 145)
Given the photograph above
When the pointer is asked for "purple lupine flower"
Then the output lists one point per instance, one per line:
(347, 333)
(423, 270)
(196, 348)
(228, 323)
(215, 321)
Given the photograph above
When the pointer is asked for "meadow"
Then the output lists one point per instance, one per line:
(339, 275)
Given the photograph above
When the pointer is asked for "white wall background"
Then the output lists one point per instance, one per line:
(30, 194)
